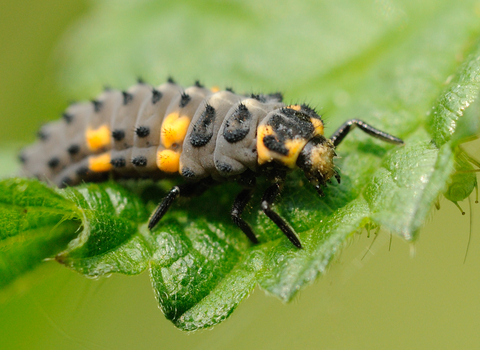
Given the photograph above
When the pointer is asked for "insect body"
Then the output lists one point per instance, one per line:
(202, 135)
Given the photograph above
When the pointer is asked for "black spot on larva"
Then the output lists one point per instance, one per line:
(53, 162)
(289, 112)
(156, 96)
(118, 135)
(223, 167)
(310, 110)
(291, 125)
(237, 125)
(42, 135)
(260, 98)
(275, 145)
(139, 161)
(140, 80)
(170, 80)
(186, 172)
(118, 162)
(107, 88)
(67, 117)
(142, 131)
(305, 113)
(127, 97)
(277, 96)
(203, 129)
(229, 89)
(73, 149)
(198, 84)
(97, 105)
(82, 171)
(66, 181)
(184, 99)
(22, 158)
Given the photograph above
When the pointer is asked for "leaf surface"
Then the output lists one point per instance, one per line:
(412, 72)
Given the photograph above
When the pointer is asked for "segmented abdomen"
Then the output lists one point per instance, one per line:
(151, 132)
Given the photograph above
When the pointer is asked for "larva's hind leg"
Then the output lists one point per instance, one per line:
(185, 190)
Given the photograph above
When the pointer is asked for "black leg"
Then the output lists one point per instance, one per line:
(163, 207)
(238, 206)
(185, 190)
(349, 125)
(268, 198)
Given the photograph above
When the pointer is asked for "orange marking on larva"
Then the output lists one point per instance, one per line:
(100, 163)
(295, 107)
(98, 138)
(294, 147)
(318, 125)
(214, 89)
(168, 161)
(264, 154)
(174, 128)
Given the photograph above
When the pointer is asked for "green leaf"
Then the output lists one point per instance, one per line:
(407, 69)
(450, 107)
(110, 240)
(36, 223)
(39, 222)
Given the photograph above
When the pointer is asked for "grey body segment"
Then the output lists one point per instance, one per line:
(76, 173)
(146, 139)
(185, 107)
(52, 157)
(232, 155)
(109, 103)
(197, 159)
(34, 163)
(123, 122)
(144, 161)
(76, 144)
(151, 114)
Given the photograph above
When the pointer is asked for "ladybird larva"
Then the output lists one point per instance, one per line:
(202, 135)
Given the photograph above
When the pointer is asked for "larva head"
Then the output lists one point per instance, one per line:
(284, 132)
(316, 161)
(293, 137)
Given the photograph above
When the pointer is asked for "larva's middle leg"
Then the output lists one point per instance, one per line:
(239, 205)
(267, 200)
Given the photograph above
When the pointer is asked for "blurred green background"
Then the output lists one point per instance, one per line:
(417, 296)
